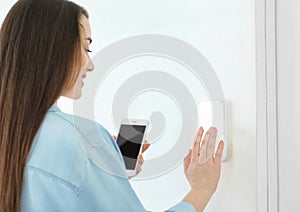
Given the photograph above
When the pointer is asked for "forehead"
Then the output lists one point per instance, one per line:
(85, 26)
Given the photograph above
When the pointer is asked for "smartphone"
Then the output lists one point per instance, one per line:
(130, 141)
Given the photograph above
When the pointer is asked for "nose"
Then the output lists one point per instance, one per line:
(91, 66)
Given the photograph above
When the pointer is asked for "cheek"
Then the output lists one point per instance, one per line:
(85, 59)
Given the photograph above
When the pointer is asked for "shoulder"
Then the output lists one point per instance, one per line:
(55, 149)
(67, 142)
(87, 132)
(60, 130)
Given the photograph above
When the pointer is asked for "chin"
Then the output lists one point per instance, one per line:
(73, 94)
(77, 96)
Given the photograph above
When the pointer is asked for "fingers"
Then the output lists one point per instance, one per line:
(201, 154)
(219, 152)
(187, 160)
(212, 143)
(140, 160)
(115, 137)
(196, 147)
(138, 170)
(140, 163)
(140, 157)
(146, 145)
(208, 145)
(203, 148)
(202, 157)
(206, 137)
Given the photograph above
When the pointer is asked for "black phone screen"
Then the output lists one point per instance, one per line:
(129, 140)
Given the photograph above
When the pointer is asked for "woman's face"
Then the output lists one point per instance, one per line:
(87, 64)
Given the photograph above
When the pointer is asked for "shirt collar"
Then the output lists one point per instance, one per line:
(54, 108)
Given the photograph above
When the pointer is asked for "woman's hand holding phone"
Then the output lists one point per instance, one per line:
(202, 169)
(140, 158)
(140, 161)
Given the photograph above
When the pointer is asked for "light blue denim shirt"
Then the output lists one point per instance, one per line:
(75, 165)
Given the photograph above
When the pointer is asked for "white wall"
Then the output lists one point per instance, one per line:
(288, 60)
(224, 31)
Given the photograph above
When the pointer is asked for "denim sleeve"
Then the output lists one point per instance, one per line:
(43, 191)
(182, 206)
(108, 139)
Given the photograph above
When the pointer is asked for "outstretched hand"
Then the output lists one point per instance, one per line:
(201, 167)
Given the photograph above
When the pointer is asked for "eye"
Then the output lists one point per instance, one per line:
(89, 51)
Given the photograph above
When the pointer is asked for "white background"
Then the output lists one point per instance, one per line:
(288, 57)
(224, 31)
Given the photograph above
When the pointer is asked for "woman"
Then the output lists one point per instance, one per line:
(47, 162)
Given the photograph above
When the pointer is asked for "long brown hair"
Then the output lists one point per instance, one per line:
(40, 49)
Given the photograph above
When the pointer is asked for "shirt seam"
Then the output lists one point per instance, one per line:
(77, 129)
(93, 147)
(118, 152)
(55, 178)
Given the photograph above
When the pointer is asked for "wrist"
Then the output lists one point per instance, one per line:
(198, 198)
(205, 193)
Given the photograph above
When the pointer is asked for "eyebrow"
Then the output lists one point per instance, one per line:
(89, 39)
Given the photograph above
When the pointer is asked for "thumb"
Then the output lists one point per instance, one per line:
(187, 160)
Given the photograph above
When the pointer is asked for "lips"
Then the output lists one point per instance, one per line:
(82, 78)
